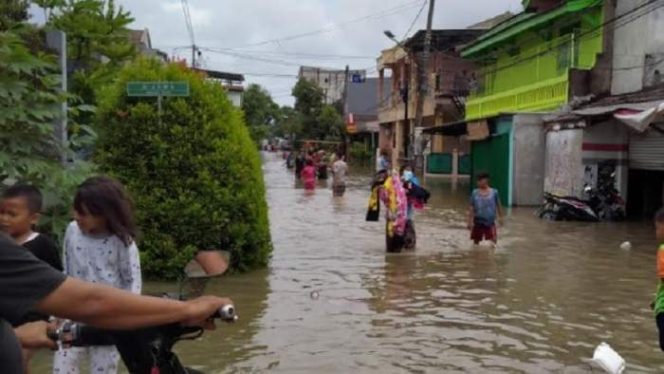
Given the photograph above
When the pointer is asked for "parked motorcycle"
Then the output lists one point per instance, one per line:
(149, 350)
(566, 208)
(604, 204)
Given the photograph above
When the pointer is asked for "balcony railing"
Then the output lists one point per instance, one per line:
(536, 79)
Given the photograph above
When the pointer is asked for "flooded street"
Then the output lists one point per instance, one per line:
(332, 300)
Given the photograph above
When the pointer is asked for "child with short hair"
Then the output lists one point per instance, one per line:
(20, 210)
(484, 209)
(100, 248)
(659, 298)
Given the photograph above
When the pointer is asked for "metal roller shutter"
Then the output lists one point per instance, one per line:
(646, 152)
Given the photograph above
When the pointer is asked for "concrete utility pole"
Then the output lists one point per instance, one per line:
(345, 109)
(423, 91)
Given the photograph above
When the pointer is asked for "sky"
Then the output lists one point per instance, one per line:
(256, 37)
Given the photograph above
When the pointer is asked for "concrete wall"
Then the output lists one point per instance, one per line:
(563, 163)
(528, 170)
(632, 43)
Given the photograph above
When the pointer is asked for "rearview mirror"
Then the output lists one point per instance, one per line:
(199, 271)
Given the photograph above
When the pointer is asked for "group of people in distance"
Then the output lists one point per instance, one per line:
(99, 247)
(312, 166)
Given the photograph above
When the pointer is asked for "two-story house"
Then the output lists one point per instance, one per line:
(396, 112)
(621, 135)
(533, 63)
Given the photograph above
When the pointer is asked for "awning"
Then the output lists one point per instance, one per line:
(523, 22)
(638, 116)
(449, 129)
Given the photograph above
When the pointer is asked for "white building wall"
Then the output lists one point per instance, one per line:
(563, 163)
(638, 51)
(332, 82)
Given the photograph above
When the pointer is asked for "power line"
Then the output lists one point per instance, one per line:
(295, 54)
(588, 33)
(382, 14)
(417, 17)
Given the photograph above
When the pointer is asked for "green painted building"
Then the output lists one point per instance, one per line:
(525, 63)
(530, 64)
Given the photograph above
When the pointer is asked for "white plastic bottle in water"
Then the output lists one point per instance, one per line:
(608, 359)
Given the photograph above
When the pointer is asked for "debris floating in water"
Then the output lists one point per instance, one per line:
(314, 295)
(608, 359)
(626, 246)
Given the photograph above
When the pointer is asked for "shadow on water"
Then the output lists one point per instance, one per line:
(332, 301)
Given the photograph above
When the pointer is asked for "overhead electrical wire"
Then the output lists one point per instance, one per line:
(417, 17)
(382, 14)
(587, 34)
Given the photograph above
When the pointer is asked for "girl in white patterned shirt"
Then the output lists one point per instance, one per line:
(99, 247)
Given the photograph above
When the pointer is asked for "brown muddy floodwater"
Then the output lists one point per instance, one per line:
(332, 301)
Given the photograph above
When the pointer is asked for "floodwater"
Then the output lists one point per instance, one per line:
(332, 300)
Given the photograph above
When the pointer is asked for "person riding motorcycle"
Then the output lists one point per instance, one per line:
(27, 284)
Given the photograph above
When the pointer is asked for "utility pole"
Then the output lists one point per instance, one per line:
(423, 77)
(193, 56)
(345, 101)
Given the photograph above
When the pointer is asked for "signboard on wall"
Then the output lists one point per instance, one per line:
(478, 130)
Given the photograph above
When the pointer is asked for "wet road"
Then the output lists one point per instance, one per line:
(332, 301)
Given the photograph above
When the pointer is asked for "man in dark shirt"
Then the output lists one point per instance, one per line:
(27, 284)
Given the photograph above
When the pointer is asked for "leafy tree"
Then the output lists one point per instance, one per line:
(260, 111)
(330, 124)
(195, 174)
(98, 45)
(308, 98)
(13, 12)
(318, 120)
(29, 106)
(288, 124)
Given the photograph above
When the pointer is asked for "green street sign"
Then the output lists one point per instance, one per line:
(151, 89)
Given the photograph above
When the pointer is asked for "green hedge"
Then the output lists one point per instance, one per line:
(195, 175)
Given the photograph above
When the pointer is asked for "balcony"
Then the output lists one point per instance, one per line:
(534, 80)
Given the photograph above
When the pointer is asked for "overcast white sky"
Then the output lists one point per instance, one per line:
(224, 24)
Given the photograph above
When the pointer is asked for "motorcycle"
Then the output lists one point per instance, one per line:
(604, 204)
(149, 350)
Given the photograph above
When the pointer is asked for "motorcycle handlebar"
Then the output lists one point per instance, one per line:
(81, 335)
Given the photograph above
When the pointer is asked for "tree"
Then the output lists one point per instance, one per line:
(98, 45)
(195, 174)
(260, 111)
(13, 12)
(330, 124)
(29, 151)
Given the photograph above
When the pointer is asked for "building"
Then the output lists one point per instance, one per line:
(621, 133)
(531, 64)
(143, 43)
(448, 76)
(361, 112)
(331, 81)
(232, 83)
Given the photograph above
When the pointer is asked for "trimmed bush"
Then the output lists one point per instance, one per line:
(194, 173)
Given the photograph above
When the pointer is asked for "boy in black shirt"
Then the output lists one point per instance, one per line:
(20, 209)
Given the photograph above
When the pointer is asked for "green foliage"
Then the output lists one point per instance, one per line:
(29, 151)
(28, 147)
(288, 123)
(359, 151)
(98, 45)
(13, 12)
(195, 174)
(318, 120)
(260, 111)
(330, 124)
